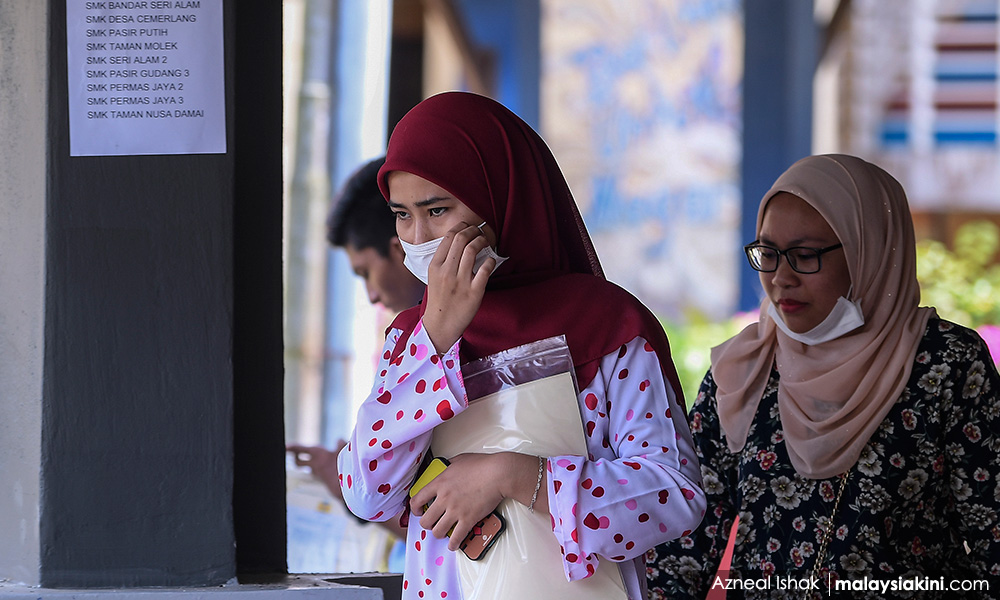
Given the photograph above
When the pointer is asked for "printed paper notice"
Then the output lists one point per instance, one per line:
(146, 77)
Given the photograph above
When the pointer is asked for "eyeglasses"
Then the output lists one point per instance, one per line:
(800, 259)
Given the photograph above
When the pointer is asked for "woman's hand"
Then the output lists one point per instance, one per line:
(471, 487)
(454, 292)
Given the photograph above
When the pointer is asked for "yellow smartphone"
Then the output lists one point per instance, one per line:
(483, 535)
(435, 468)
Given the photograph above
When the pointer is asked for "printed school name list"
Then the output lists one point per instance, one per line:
(132, 63)
(117, 65)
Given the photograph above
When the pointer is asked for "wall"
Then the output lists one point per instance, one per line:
(641, 106)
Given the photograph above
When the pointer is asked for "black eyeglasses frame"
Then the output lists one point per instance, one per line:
(819, 253)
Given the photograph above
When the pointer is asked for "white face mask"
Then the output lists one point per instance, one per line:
(418, 257)
(845, 317)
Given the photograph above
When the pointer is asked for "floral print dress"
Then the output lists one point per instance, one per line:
(922, 502)
(638, 486)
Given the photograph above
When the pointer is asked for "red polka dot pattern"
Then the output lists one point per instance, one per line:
(619, 504)
(638, 482)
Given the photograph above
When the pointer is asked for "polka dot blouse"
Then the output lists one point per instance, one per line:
(639, 485)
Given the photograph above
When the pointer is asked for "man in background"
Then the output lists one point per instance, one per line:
(362, 223)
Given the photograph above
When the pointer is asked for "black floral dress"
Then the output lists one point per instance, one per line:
(920, 509)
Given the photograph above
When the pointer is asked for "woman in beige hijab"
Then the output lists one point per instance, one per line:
(855, 434)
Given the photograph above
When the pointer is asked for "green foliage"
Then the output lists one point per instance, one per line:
(691, 346)
(963, 282)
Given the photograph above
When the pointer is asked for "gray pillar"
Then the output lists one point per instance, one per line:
(140, 330)
(22, 253)
(137, 425)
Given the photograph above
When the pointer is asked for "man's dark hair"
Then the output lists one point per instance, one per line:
(360, 215)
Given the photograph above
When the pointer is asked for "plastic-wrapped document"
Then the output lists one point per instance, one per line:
(527, 402)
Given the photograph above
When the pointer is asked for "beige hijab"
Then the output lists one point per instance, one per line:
(833, 396)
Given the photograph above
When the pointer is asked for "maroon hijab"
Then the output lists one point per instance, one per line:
(552, 283)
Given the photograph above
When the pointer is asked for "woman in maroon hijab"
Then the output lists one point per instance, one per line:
(488, 221)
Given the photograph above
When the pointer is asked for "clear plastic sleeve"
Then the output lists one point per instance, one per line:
(523, 400)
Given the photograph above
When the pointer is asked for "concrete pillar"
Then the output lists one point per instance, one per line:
(141, 434)
(23, 89)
